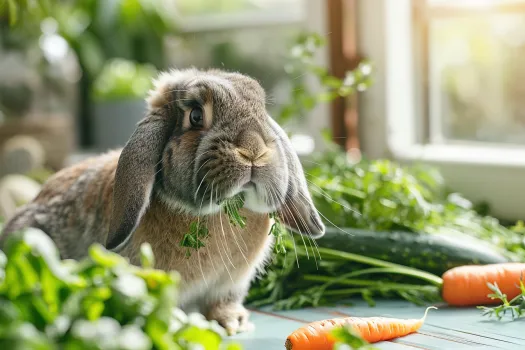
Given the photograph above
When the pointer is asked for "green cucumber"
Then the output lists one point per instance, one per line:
(435, 253)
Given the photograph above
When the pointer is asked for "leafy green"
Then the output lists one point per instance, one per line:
(231, 209)
(279, 232)
(374, 195)
(101, 302)
(516, 306)
(198, 232)
(383, 195)
(311, 277)
(347, 338)
(195, 238)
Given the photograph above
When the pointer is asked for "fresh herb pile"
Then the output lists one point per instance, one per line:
(382, 195)
(101, 302)
(375, 195)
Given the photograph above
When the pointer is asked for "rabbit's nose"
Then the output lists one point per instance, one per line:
(251, 149)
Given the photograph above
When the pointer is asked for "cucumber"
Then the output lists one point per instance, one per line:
(435, 253)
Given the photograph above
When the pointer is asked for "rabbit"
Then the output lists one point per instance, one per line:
(206, 137)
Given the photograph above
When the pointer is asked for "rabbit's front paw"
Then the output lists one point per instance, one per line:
(231, 316)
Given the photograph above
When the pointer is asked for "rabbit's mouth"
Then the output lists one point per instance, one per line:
(250, 185)
(243, 189)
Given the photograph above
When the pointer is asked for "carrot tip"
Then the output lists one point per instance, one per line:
(426, 312)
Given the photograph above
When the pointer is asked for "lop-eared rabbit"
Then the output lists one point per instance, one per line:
(206, 137)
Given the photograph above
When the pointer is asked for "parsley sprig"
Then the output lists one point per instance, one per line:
(516, 306)
(198, 232)
(232, 207)
(279, 232)
(194, 239)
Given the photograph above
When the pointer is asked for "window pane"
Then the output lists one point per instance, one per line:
(476, 77)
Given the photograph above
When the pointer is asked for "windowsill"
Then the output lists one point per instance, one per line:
(481, 173)
(465, 154)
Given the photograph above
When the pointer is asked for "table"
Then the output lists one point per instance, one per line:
(445, 328)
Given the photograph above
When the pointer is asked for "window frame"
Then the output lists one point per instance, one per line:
(395, 121)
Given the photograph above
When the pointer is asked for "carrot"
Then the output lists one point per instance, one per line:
(467, 285)
(317, 335)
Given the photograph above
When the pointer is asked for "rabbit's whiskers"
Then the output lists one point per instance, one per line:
(223, 243)
(327, 196)
(216, 241)
(274, 195)
(234, 235)
(305, 201)
(197, 191)
(287, 208)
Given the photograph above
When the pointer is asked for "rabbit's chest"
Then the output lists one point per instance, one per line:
(230, 255)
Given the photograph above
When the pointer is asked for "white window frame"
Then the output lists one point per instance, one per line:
(392, 110)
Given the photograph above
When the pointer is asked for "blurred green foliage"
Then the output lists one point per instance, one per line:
(100, 30)
(121, 79)
(97, 31)
(99, 303)
(302, 65)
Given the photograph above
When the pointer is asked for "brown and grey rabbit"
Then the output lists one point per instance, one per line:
(207, 136)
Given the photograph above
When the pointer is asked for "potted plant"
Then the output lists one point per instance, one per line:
(118, 101)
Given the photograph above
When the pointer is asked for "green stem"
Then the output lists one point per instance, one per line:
(393, 268)
(373, 270)
(367, 283)
(348, 291)
(394, 287)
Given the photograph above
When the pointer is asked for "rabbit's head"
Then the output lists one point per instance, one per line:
(206, 138)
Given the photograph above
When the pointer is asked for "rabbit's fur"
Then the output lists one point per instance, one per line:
(172, 172)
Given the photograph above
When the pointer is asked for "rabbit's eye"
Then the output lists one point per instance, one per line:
(196, 118)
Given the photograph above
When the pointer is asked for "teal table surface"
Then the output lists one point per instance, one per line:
(445, 328)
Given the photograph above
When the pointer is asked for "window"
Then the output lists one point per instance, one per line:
(449, 91)
(476, 72)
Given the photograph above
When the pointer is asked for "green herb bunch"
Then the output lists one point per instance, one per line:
(99, 303)
(383, 195)
(310, 276)
(375, 195)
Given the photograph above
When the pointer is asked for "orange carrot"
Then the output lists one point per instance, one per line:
(467, 285)
(318, 335)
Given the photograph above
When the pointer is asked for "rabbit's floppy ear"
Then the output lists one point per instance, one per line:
(298, 212)
(135, 176)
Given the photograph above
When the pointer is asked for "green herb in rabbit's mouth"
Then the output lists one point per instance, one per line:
(232, 207)
(198, 232)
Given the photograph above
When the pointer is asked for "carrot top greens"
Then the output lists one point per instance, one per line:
(516, 306)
